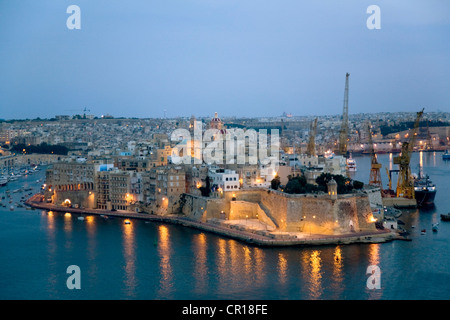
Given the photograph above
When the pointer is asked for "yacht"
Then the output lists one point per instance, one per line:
(351, 164)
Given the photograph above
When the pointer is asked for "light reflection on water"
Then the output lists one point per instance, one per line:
(201, 262)
(166, 273)
(129, 243)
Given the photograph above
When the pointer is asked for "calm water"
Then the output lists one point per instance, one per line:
(158, 261)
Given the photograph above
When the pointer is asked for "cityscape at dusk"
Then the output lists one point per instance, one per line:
(227, 155)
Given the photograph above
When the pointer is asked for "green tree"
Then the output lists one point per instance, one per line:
(275, 183)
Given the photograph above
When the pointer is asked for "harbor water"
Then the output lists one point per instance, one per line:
(146, 260)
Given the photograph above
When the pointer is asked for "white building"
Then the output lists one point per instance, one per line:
(227, 180)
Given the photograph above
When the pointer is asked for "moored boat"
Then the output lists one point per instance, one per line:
(446, 155)
(445, 217)
(351, 164)
(424, 190)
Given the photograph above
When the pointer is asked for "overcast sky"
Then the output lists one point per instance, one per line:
(237, 57)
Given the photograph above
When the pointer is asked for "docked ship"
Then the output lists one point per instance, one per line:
(424, 190)
(351, 164)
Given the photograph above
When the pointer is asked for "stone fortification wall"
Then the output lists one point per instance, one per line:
(81, 199)
(293, 213)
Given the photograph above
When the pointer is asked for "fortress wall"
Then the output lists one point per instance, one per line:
(293, 213)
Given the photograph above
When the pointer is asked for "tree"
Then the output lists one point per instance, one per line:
(358, 184)
(299, 184)
(275, 183)
(344, 184)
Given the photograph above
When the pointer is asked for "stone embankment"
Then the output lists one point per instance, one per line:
(237, 231)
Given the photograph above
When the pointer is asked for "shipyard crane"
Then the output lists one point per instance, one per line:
(405, 183)
(375, 175)
(343, 135)
(311, 150)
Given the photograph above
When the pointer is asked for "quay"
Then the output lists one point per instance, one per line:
(239, 231)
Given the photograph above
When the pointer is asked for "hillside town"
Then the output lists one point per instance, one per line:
(128, 164)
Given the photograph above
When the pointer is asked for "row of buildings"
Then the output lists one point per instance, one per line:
(143, 177)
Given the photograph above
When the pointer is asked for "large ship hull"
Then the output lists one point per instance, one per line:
(425, 197)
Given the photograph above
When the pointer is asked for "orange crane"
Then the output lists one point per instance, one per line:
(405, 183)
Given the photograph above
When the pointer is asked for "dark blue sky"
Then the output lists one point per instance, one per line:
(237, 57)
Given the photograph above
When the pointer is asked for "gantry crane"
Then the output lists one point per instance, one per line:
(375, 175)
(343, 135)
(311, 150)
(405, 183)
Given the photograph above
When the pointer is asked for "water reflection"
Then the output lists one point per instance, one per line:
(259, 265)
(68, 226)
(222, 266)
(312, 263)
(201, 263)
(166, 272)
(390, 161)
(91, 229)
(421, 159)
(374, 260)
(52, 245)
(374, 254)
(282, 268)
(130, 259)
(338, 274)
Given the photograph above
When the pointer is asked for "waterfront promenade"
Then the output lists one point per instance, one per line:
(247, 231)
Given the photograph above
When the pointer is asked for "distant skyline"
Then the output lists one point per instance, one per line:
(243, 58)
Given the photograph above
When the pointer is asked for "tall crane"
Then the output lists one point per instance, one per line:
(375, 175)
(343, 135)
(405, 183)
(311, 150)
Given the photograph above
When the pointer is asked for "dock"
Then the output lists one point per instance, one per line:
(241, 232)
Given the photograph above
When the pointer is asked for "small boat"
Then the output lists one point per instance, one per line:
(423, 231)
(80, 218)
(446, 155)
(11, 208)
(445, 217)
(435, 227)
(127, 222)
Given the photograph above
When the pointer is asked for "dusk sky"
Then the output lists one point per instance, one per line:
(245, 58)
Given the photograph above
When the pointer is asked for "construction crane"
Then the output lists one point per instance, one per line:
(343, 135)
(405, 183)
(311, 150)
(375, 175)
